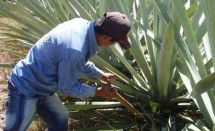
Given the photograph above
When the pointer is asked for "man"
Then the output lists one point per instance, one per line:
(55, 63)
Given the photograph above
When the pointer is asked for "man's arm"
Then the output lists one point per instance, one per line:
(106, 90)
(91, 71)
(95, 73)
(69, 71)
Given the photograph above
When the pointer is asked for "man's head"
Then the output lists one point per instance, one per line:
(113, 27)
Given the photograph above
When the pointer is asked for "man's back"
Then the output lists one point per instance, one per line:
(47, 62)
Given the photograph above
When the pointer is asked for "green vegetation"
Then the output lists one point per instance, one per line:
(172, 56)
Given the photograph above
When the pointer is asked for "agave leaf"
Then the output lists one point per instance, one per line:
(26, 43)
(29, 35)
(203, 85)
(162, 11)
(102, 7)
(191, 127)
(91, 8)
(210, 23)
(209, 64)
(141, 60)
(107, 6)
(136, 76)
(70, 8)
(59, 10)
(200, 32)
(183, 51)
(91, 105)
(19, 46)
(25, 22)
(145, 15)
(177, 91)
(190, 37)
(41, 12)
(14, 53)
(18, 37)
(117, 126)
(205, 102)
(196, 18)
(164, 64)
(185, 75)
(106, 66)
(84, 13)
(192, 9)
(25, 14)
(172, 123)
(7, 65)
(151, 36)
(201, 125)
(136, 49)
(141, 93)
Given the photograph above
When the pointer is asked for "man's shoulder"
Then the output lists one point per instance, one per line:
(76, 25)
(78, 21)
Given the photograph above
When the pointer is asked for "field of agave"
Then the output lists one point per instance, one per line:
(168, 74)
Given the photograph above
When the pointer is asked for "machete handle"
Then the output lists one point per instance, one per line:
(128, 105)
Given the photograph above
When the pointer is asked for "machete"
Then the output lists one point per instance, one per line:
(125, 103)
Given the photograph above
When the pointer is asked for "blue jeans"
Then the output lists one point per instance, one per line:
(22, 109)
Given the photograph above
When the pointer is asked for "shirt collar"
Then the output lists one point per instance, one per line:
(93, 46)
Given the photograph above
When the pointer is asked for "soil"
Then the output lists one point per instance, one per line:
(3, 97)
(35, 126)
(6, 58)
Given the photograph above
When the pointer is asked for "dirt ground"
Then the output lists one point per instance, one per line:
(6, 58)
(3, 97)
(3, 93)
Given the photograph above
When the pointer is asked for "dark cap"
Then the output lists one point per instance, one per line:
(117, 26)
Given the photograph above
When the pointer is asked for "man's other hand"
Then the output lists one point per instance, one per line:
(106, 91)
(108, 76)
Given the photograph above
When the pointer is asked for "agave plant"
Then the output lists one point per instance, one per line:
(171, 54)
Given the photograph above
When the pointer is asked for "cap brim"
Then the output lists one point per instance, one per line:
(125, 44)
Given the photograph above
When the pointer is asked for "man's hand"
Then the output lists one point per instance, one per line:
(108, 76)
(106, 91)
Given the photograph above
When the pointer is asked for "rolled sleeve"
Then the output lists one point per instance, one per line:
(92, 71)
(81, 91)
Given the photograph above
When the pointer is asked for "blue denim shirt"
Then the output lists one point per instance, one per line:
(57, 61)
